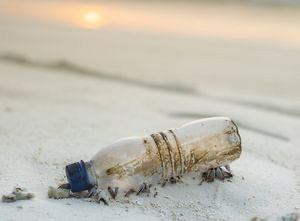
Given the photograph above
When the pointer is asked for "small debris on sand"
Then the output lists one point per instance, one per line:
(61, 193)
(58, 193)
(257, 219)
(18, 193)
(287, 217)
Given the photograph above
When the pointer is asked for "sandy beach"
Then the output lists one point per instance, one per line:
(68, 88)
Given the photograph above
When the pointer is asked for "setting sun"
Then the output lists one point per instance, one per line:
(91, 19)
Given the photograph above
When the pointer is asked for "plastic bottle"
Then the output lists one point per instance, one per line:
(194, 147)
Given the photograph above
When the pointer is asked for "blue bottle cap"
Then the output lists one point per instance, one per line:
(77, 177)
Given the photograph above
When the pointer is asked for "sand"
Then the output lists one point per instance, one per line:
(65, 93)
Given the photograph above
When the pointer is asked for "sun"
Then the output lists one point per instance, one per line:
(91, 19)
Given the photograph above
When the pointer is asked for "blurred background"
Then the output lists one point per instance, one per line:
(221, 48)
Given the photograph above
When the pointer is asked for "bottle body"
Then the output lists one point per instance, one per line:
(194, 147)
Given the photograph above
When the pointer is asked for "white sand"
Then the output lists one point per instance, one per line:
(52, 117)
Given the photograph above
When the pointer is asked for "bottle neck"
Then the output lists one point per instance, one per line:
(91, 173)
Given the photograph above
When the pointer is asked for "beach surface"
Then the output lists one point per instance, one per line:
(67, 90)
